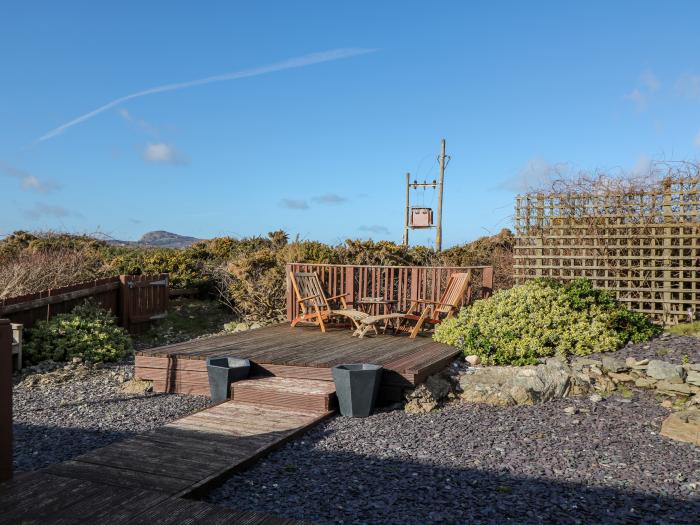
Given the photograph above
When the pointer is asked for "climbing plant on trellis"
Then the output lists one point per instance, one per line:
(637, 238)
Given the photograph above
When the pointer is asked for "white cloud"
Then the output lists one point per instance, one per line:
(640, 96)
(27, 180)
(639, 99)
(41, 210)
(140, 123)
(375, 228)
(329, 198)
(294, 204)
(688, 86)
(649, 81)
(642, 167)
(302, 61)
(537, 173)
(164, 154)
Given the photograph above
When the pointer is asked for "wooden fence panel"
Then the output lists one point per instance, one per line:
(399, 283)
(133, 299)
(5, 400)
(644, 246)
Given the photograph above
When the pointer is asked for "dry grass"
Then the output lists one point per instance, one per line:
(30, 272)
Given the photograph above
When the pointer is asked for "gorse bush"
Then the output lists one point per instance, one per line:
(247, 274)
(543, 318)
(88, 332)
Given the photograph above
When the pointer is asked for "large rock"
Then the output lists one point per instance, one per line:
(683, 426)
(611, 364)
(693, 378)
(667, 372)
(511, 385)
(665, 387)
(427, 396)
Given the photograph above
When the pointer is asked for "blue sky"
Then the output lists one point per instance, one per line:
(321, 150)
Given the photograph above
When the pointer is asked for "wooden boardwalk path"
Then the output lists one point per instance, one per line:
(144, 478)
(38, 497)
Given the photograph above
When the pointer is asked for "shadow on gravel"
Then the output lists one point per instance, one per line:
(38, 446)
(351, 488)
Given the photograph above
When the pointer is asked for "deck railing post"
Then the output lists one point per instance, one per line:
(486, 282)
(291, 314)
(5, 400)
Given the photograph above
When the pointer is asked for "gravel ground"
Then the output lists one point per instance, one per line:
(667, 347)
(605, 463)
(63, 414)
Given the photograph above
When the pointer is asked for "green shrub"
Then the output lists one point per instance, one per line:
(88, 332)
(541, 319)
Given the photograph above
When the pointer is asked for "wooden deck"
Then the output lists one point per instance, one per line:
(301, 353)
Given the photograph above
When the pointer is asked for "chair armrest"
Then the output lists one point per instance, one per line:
(338, 296)
(307, 298)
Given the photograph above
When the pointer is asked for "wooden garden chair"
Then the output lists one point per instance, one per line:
(432, 313)
(314, 304)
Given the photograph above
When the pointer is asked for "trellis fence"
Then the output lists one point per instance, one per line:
(643, 245)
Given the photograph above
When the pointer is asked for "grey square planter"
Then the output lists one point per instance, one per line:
(222, 372)
(356, 386)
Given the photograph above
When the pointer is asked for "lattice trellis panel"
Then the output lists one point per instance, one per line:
(643, 246)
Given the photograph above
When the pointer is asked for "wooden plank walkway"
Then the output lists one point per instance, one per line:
(39, 497)
(302, 353)
(142, 479)
(189, 454)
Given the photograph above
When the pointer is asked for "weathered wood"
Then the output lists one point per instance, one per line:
(301, 353)
(55, 298)
(40, 497)
(394, 283)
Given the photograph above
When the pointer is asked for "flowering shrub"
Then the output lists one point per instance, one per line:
(544, 318)
(88, 332)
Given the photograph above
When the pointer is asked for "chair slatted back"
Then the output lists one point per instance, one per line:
(457, 287)
(308, 285)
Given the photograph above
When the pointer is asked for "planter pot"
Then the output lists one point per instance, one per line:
(356, 386)
(222, 372)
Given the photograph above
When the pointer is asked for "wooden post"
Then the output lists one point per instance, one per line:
(350, 285)
(540, 235)
(405, 224)
(667, 241)
(124, 301)
(5, 400)
(486, 282)
(290, 294)
(438, 229)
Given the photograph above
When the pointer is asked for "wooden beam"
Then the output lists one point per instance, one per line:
(5, 400)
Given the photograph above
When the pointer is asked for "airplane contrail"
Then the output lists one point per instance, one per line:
(302, 61)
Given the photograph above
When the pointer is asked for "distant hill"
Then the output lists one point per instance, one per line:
(159, 239)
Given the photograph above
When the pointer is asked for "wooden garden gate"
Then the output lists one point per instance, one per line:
(144, 298)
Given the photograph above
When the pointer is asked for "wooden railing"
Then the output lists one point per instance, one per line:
(134, 299)
(397, 283)
(5, 400)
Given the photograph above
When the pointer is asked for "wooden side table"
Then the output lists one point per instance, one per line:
(367, 303)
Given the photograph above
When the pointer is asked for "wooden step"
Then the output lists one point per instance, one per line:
(306, 394)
